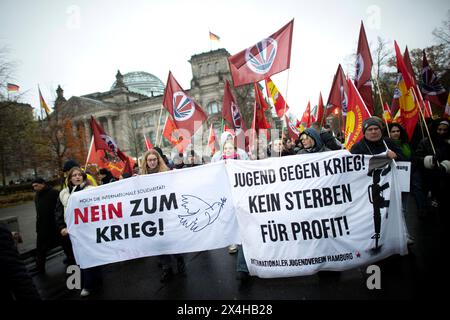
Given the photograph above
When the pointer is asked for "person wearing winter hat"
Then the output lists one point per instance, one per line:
(373, 141)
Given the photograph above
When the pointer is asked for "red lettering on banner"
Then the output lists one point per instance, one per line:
(92, 214)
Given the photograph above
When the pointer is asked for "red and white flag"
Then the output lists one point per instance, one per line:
(364, 64)
(269, 56)
(186, 113)
(292, 130)
(338, 97)
(432, 88)
(232, 114)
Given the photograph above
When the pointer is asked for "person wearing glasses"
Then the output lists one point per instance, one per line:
(152, 162)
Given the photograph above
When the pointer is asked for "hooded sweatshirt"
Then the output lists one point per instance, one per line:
(318, 145)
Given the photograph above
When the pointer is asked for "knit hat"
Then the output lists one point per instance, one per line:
(69, 165)
(371, 122)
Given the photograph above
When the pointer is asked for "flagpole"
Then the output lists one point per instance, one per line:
(426, 127)
(159, 124)
(284, 109)
(210, 41)
(382, 106)
(89, 152)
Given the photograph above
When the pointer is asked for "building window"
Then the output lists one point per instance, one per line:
(135, 123)
(213, 107)
(211, 68)
(150, 121)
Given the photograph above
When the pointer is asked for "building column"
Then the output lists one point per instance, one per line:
(87, 133)
(111, 127)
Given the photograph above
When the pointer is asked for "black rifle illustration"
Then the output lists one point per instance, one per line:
(375, 191)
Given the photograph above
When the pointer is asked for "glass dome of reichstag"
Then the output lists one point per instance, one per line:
(142, 82)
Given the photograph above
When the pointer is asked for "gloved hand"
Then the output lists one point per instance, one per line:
(445, 166)
(429, 162)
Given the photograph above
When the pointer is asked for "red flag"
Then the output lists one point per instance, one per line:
(232, 114)
(259, 119)
(280, 104)
(306, 117)
(230, 110)
(364, 64)
(186, 113)
(260, 107)
(103, 159)
(432, 89)
(212, 140)
(401, 66)
(106, 154)
(171, 133)
(409, 66)
(426, 109)
(338, 98)
(292, 130)
(267, 57)
(320, 110)
(148, 143)
(356, 114)
(446, 114)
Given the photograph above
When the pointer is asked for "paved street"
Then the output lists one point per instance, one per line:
(211, 274)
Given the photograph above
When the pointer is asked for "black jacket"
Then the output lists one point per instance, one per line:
(371, 148)
(45, 202)
(15, 282)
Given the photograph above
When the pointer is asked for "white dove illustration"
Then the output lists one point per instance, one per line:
(200, 214)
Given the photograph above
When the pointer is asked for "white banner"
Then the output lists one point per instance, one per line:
(173, 212)
(404, 175)
(325, 211)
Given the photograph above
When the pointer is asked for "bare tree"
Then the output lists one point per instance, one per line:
(443, 33)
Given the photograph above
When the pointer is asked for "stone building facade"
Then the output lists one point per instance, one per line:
(133, 106)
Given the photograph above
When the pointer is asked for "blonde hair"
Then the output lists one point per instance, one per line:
(161, 164)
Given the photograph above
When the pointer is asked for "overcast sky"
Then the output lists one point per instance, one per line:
(80, 45)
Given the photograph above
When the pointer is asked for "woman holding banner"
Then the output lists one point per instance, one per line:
(77, 180)
(152, 162)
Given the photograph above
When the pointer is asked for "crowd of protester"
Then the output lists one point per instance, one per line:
(429, 157)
